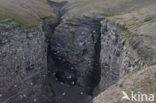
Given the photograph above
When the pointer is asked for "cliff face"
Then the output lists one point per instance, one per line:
(79, 50)
(137, 50)
(116, 57)
(74, 48)
(23, 65)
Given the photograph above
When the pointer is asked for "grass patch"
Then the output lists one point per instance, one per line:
(7, 20)
(140, 13)
(134, 90)
(125, 32)
(145, 52)
(124, 28)
(149, 18)
(132, 73)
(148, 81)
(148, 84)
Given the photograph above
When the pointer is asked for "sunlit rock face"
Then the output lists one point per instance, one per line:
(23, 66)
(116, 57)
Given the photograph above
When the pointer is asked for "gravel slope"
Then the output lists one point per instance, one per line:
(135, 81)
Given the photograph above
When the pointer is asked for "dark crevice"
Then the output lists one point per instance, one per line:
(61, 69)
(65, 71)
(58, 7)
(95, 75)
(49, 26)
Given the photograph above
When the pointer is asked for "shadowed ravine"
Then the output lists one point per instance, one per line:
(74, 56)
(64, 73)
(75, 51)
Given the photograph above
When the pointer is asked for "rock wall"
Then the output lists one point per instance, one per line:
(116, 57)
(88, 52)
(72, 59)
(74, 49)
(85, 54)
(23, 66)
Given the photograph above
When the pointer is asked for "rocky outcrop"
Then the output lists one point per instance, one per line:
(74, 49)
(84, 55)
(76, 54)
(116, 57)
(23, 65)
(90, 55)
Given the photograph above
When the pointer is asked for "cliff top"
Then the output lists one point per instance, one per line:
(25, 11)
(29, 11)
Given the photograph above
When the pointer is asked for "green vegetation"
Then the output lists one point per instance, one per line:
(149, 18)
(26, 12)
(134, 90)
(123, 27)
(8, 20)
(132, 73)
(140, 13)
(124, 31)
(148, 81)
(138, 28)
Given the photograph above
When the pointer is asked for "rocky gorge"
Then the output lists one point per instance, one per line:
(70, 57)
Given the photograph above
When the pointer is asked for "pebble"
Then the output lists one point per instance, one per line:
(0, 95)
(35, 100)
(94, 31)
(80, 43)
(15, 86)
(61, 83)
(31, 83)
(55, 53)
(63, 93)
(81, 93)
(82, 33)
(56, 79)
(54, 73)
(21, 96)
(24, 95)
(72, 82)
(69, 77)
